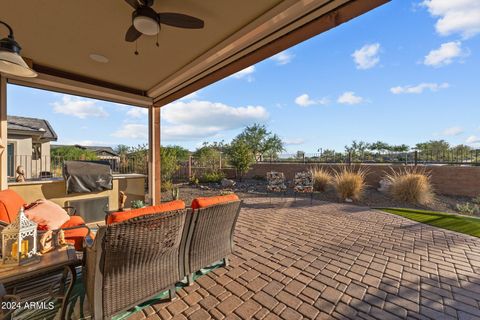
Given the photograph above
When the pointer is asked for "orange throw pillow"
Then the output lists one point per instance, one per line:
(164, 207)
(47, 214)
(208, 201)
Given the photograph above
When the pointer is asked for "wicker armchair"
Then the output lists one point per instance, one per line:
(132, 261)
(210, 237)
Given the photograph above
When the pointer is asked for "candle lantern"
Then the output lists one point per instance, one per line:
(19, 241)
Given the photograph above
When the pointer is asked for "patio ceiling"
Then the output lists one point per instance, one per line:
(58, 36)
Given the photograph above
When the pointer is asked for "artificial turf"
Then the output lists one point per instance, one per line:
(454, 222)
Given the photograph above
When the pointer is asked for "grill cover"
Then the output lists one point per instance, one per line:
(87, 176)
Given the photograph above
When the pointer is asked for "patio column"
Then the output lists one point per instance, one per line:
(154, 179)
(3, 134)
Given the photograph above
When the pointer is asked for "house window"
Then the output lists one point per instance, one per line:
(10, 160)
(36, 151)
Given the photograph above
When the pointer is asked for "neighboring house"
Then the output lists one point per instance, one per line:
(28, 145)
(103, 153)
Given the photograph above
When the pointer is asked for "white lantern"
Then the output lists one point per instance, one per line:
(19, 241)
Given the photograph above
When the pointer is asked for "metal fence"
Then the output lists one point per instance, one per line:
(47, 167)
(447, 157)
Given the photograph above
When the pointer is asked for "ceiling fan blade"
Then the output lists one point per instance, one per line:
(180, 20)
(132, 34)
(133, 3)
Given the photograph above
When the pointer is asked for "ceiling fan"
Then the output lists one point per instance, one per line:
(146, 21)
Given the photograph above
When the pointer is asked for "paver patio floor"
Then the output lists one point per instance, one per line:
(296, 260)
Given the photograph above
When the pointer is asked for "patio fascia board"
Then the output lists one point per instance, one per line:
(277, 30)
(82, 88)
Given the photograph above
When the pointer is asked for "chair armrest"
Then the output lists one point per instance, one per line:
(71, 211)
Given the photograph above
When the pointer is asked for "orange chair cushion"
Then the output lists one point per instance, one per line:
(73, 222)
(10, 204)
(164, 207)
(208, 201)
(76, 236)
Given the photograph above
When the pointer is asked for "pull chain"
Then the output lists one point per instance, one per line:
(157, 40)
(136, 47)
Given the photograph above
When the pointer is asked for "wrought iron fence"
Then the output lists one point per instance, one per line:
(48, 167)
(447, 157)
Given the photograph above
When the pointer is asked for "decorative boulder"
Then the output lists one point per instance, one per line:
(384, 185)
(227, 183)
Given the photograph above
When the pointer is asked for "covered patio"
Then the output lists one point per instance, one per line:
(295, 260)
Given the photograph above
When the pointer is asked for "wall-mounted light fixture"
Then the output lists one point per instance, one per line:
(10, 60)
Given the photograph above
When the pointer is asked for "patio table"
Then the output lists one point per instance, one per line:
(64, 259)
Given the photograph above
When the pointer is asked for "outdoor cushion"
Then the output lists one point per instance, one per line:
(10, 204)
(76, 236)
(47, 213)
(164, 207)
(208, 201)
(73, 222)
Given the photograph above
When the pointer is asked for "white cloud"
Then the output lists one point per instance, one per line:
(294, 141)
(445, 55)
(191, 96)
(283, 58)
(367, 56)
(452, 131)
(136, 112)
(349, 97)
(200, 119)
(132, 131)
(304, 100)
(473, 140)
(455, 16)
(245, 73)
(78, 107)
(419, 88)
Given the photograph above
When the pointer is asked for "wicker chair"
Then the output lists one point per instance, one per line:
(210, 237)
(134, 260)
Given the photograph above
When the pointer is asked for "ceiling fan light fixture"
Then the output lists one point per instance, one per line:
(10, 60)
(145, 20)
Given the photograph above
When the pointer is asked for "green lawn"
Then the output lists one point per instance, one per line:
(458, 223)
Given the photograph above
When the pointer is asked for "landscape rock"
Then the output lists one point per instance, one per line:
(384, 186)
(227, 183)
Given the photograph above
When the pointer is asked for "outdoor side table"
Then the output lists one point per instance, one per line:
(64, 259)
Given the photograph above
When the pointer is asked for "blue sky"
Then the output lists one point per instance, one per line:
(406, 72)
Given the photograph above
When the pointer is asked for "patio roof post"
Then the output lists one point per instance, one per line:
(154, 178)
(3, 134)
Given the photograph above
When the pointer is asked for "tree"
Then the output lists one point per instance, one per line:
(434, 146)
(168, 163)
(72, 153)
(357, 146)
(379, 146)
(240, 156)
(400, 148)
(261, 142)
(208, 156)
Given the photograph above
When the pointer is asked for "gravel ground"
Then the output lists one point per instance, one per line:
(371, 197)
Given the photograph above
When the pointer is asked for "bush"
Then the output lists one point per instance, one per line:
(411, 185)
(212, 177)
(349, 183)
(166, 186)
(468, 208)
(321, 179)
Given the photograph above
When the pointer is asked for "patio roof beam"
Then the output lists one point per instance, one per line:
(64, 83)
(267, 47)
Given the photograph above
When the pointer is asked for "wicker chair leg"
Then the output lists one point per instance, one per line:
(226, 262)
(172, 292)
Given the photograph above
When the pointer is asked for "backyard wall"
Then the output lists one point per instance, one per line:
(449, 180)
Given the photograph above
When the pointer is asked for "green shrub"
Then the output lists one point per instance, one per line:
(211, 177)
(166, 186)
(468, 208)
(136, 204)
